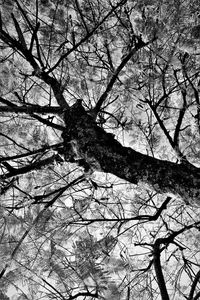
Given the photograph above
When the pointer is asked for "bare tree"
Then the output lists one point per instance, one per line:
(99, 112)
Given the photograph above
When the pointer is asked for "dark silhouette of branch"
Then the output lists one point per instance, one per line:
(13, 141)
(32, 166)
(47, 122)
(194, 284)
(54, 289)
(83, 294)
(157, 264)
(34, 31)
(40, 73)
(180, 119)
(165, 131)
(84, 39)
(109, 56)
(19, 32)
(140, 44)
(34, 37)
(196, 93)
(147, 218)
(158, 271)
(29, 153)
(30, 109)
(160, 209)
(57, 89)
(7, 102)
(197, 296)
(82, 16)
(35, 221)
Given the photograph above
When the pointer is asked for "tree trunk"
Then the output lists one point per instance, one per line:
(104, 153)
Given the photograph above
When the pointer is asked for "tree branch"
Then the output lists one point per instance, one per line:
(47, 122)
(83, 294)
(31, 167)
(40, 214)
(158, 271)
(157, 264)
(166, 132)
(86, 37)
(30, 109)
(40, 73)
(33, 108)
(180, 119)
(194, 284)
(140, 44)
(81, 15)
(29, 153)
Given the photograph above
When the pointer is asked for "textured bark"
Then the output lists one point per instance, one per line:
(104, 153)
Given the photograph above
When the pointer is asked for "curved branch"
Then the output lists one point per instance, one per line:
(158, 271)
(83, 294)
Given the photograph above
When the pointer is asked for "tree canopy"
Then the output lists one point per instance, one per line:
(99, 157)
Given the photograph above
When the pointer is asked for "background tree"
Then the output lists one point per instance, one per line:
(99, 126)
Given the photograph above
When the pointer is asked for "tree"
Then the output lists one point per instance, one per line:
(100, 124)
